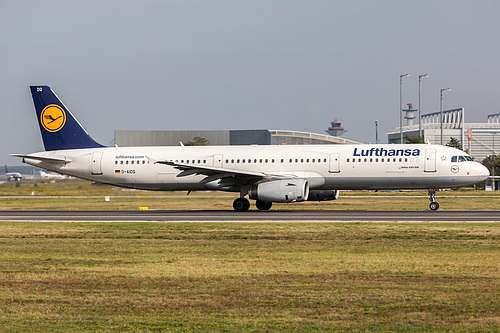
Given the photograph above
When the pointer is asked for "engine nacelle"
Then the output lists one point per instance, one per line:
(293, 190)
(318, 195)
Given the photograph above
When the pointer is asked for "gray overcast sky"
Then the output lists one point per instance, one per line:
(243, 64)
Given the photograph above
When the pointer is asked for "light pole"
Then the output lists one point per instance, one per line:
(420, 77)
(493, 143)
(401, 105)
(376, 131)
(443, 90)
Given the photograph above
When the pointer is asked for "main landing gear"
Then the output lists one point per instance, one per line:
(263, 205)
(242, 205)
(434, 205)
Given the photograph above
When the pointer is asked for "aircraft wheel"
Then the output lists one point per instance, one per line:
(263, 205)
(241, 205)
(434, 206)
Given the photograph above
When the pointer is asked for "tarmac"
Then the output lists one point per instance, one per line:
(281, 216)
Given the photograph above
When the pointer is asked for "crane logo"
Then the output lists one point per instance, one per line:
(53, 118)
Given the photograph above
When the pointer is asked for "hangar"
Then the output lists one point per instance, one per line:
(129, 138)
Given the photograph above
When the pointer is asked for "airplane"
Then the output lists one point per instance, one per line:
(267, 174)
(12, 176)
(50, 175)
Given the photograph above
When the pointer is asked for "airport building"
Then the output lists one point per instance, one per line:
(479, 139)
(129, 138)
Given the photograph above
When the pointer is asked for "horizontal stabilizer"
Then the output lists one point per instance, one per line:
(42, 158)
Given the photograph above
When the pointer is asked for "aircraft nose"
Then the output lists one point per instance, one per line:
(482, 172)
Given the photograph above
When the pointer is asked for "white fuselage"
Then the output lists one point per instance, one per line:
(325, 167)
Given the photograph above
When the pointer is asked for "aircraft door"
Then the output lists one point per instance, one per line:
(218, 160)
(334, 163)
(430, 160)
(96, 166)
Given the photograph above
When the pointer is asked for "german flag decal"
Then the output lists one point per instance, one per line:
(117, 171)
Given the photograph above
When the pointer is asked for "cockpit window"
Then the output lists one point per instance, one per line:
(461, 158)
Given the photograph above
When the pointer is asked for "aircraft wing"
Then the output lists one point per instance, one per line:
(222, 174)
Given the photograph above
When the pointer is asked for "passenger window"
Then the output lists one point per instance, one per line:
(347, 160)
(126, 162)
(243, 161)
(313, 160)
(282, 160)
(227, 161)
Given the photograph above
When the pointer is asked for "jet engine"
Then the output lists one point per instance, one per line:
(318, 195)
(288, 190)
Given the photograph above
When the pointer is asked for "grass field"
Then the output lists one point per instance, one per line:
(61, 195)
(245, 277)
(249, 277)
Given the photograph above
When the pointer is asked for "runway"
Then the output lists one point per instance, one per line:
(250, 216)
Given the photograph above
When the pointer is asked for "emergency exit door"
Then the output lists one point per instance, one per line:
(334, 163)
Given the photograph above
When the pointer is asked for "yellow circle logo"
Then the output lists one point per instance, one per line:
(53, 118)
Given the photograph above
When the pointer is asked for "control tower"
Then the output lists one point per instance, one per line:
(409, 114)
(336, 128)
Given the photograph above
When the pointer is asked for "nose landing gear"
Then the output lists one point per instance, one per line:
(434, 205)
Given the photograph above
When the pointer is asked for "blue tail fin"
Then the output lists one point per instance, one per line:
(60, 130)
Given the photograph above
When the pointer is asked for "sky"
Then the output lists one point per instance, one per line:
(273, 64)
